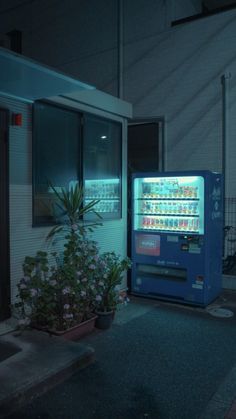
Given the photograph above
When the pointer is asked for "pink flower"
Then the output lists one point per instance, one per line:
(33, 292)
(68, 316)
(23, 286)
(74, 227)
(98, 298)
(66, 290)
(66, 306)
(92, 266)
(53, 282)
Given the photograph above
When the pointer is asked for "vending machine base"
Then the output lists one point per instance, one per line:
(174, 300)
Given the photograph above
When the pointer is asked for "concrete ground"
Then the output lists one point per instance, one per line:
(42, 362)
(45, 362)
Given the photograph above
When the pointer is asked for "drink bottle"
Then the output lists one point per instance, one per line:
(166, 223)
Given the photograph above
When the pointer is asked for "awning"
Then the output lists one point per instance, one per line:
(25, 79)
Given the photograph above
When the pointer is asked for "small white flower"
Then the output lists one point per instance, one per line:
(33, 292)
(74, 227)
(98, 298)
(53, 282)
(83, 293)
(66, 290)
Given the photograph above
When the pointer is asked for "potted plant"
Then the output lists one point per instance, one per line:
(57, 292)
(107, 287)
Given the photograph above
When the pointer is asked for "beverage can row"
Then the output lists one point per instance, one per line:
(169, 223)
(169, 189)
(101, 190)
(107, 206)
(167, 207)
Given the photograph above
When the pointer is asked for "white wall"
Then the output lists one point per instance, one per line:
(24, 239)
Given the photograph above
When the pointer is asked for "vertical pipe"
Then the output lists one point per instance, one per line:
(225, 187)
(225, 107)
(120, 48)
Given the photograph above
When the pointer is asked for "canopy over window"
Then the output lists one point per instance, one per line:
(25, 79)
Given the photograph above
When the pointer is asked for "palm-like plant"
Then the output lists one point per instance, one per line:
(71, 207)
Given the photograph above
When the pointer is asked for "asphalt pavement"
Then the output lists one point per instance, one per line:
(158, 361)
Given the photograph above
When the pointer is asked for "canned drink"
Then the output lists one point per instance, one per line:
(144, 222)
(176, 223)
(196, 224)
(170, 223)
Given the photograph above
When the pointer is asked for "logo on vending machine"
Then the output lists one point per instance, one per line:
(216, 195)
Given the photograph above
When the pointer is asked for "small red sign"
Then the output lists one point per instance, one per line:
(147, 244)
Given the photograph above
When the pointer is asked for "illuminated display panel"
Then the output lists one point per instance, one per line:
(171, 204)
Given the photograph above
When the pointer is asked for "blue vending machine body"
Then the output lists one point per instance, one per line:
(177, 228)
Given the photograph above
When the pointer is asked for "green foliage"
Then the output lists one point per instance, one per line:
(60, 291)
(107, 285)
(71, 207)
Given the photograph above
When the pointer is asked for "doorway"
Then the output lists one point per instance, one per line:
(4, 217)
(145, 154)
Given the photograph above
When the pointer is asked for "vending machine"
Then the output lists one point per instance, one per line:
(177, 236)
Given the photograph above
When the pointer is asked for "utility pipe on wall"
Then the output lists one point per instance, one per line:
(120, 48)
(225, 128)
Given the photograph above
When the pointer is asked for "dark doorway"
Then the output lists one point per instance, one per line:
(4, 218)
(145, 154)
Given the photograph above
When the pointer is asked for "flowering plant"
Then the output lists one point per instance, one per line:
(107, 285)
(61, 293)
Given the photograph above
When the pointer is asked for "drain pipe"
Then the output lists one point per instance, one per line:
(225, 126)
(120, 48)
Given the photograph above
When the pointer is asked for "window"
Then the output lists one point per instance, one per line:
(56, 155)
(59, 142)
(102, 165)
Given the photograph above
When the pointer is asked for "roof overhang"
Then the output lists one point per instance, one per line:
(95, 99)
(25, 79)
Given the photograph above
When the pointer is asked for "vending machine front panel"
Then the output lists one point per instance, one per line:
(172, 236)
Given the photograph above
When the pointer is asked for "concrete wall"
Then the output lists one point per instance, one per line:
(173, 72)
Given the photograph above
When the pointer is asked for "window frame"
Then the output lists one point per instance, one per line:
(118, 123)
(80, 164)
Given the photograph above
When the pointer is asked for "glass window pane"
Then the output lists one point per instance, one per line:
(56, 153)
(102, 142)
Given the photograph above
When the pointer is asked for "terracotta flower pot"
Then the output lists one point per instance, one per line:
(75, 332)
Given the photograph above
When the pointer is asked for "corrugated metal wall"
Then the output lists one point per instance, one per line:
(25, 240)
